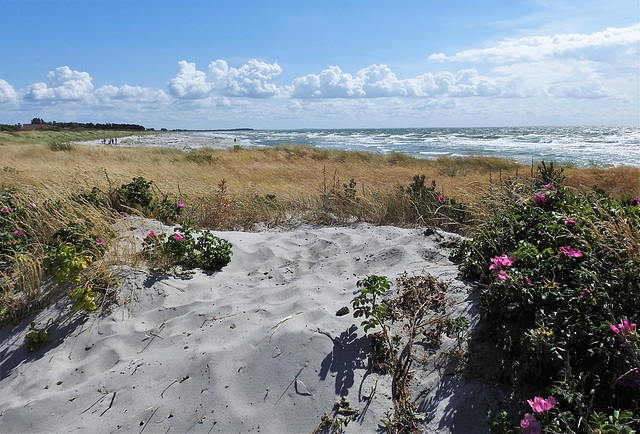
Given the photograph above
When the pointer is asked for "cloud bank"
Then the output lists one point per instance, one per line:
(580, 67)
(609, 45)
(378, 81)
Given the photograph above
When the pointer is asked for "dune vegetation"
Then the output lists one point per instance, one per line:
(59, 201)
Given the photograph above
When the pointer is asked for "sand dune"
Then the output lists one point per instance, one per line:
(256, 347)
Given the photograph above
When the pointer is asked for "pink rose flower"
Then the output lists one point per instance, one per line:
(624, 329)
(571, 252)
(540, 405)
(498, 262)
(440, 198)
(502, 275)
(151, 234)
(19, 233)
(586, 293)
(180, 204)
(502, 261)
(571, 222)
(539, 199)
(100, 241)
(178, 237)
(548, 187)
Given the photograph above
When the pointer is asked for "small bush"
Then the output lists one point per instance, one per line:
(188, 247)
(84, 298)
(95, 198)
(168, 209)
(431, 207)
(365, 304)
(64, 263)
(549, 174)
(136, 194)
(80, 236)
(36, 338)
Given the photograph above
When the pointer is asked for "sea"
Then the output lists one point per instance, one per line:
(604, 146)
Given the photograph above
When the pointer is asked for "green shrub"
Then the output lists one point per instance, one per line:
(64, 263)
(79, 235)
(36, 338)
(558, 274)
(94, 198)
(432, 207)
(168, 209)
(136, 194)
(365, 304)
(84, 298)
(549, 174)
(188, 247)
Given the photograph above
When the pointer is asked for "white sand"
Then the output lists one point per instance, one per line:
(183, 140)
(239, 350)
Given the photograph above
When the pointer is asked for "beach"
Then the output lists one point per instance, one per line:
(255, 347)
(182, 140)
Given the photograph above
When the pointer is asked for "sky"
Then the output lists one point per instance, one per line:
(292, 64)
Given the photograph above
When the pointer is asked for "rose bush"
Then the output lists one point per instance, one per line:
(560, 284)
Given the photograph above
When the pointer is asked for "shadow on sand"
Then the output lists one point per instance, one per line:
(349, 353)
(13, 351)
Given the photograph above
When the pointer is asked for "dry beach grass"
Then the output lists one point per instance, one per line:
(289, 173)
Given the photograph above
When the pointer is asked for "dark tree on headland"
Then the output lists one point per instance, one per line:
(92, 126)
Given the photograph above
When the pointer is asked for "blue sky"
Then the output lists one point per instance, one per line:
(321, 64)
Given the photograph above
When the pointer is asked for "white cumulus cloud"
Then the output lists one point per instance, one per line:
(330, 83)
(7, 92)
(64, 84)
(255, 80)
(252, 80)
(189, 83)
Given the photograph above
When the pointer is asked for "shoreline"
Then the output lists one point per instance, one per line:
(182, 140)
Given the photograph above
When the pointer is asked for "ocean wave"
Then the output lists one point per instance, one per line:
(579, 146)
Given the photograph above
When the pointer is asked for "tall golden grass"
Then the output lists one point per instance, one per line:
(291, 173)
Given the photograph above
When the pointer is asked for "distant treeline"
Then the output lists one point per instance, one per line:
(74, 125)
(91, 126)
